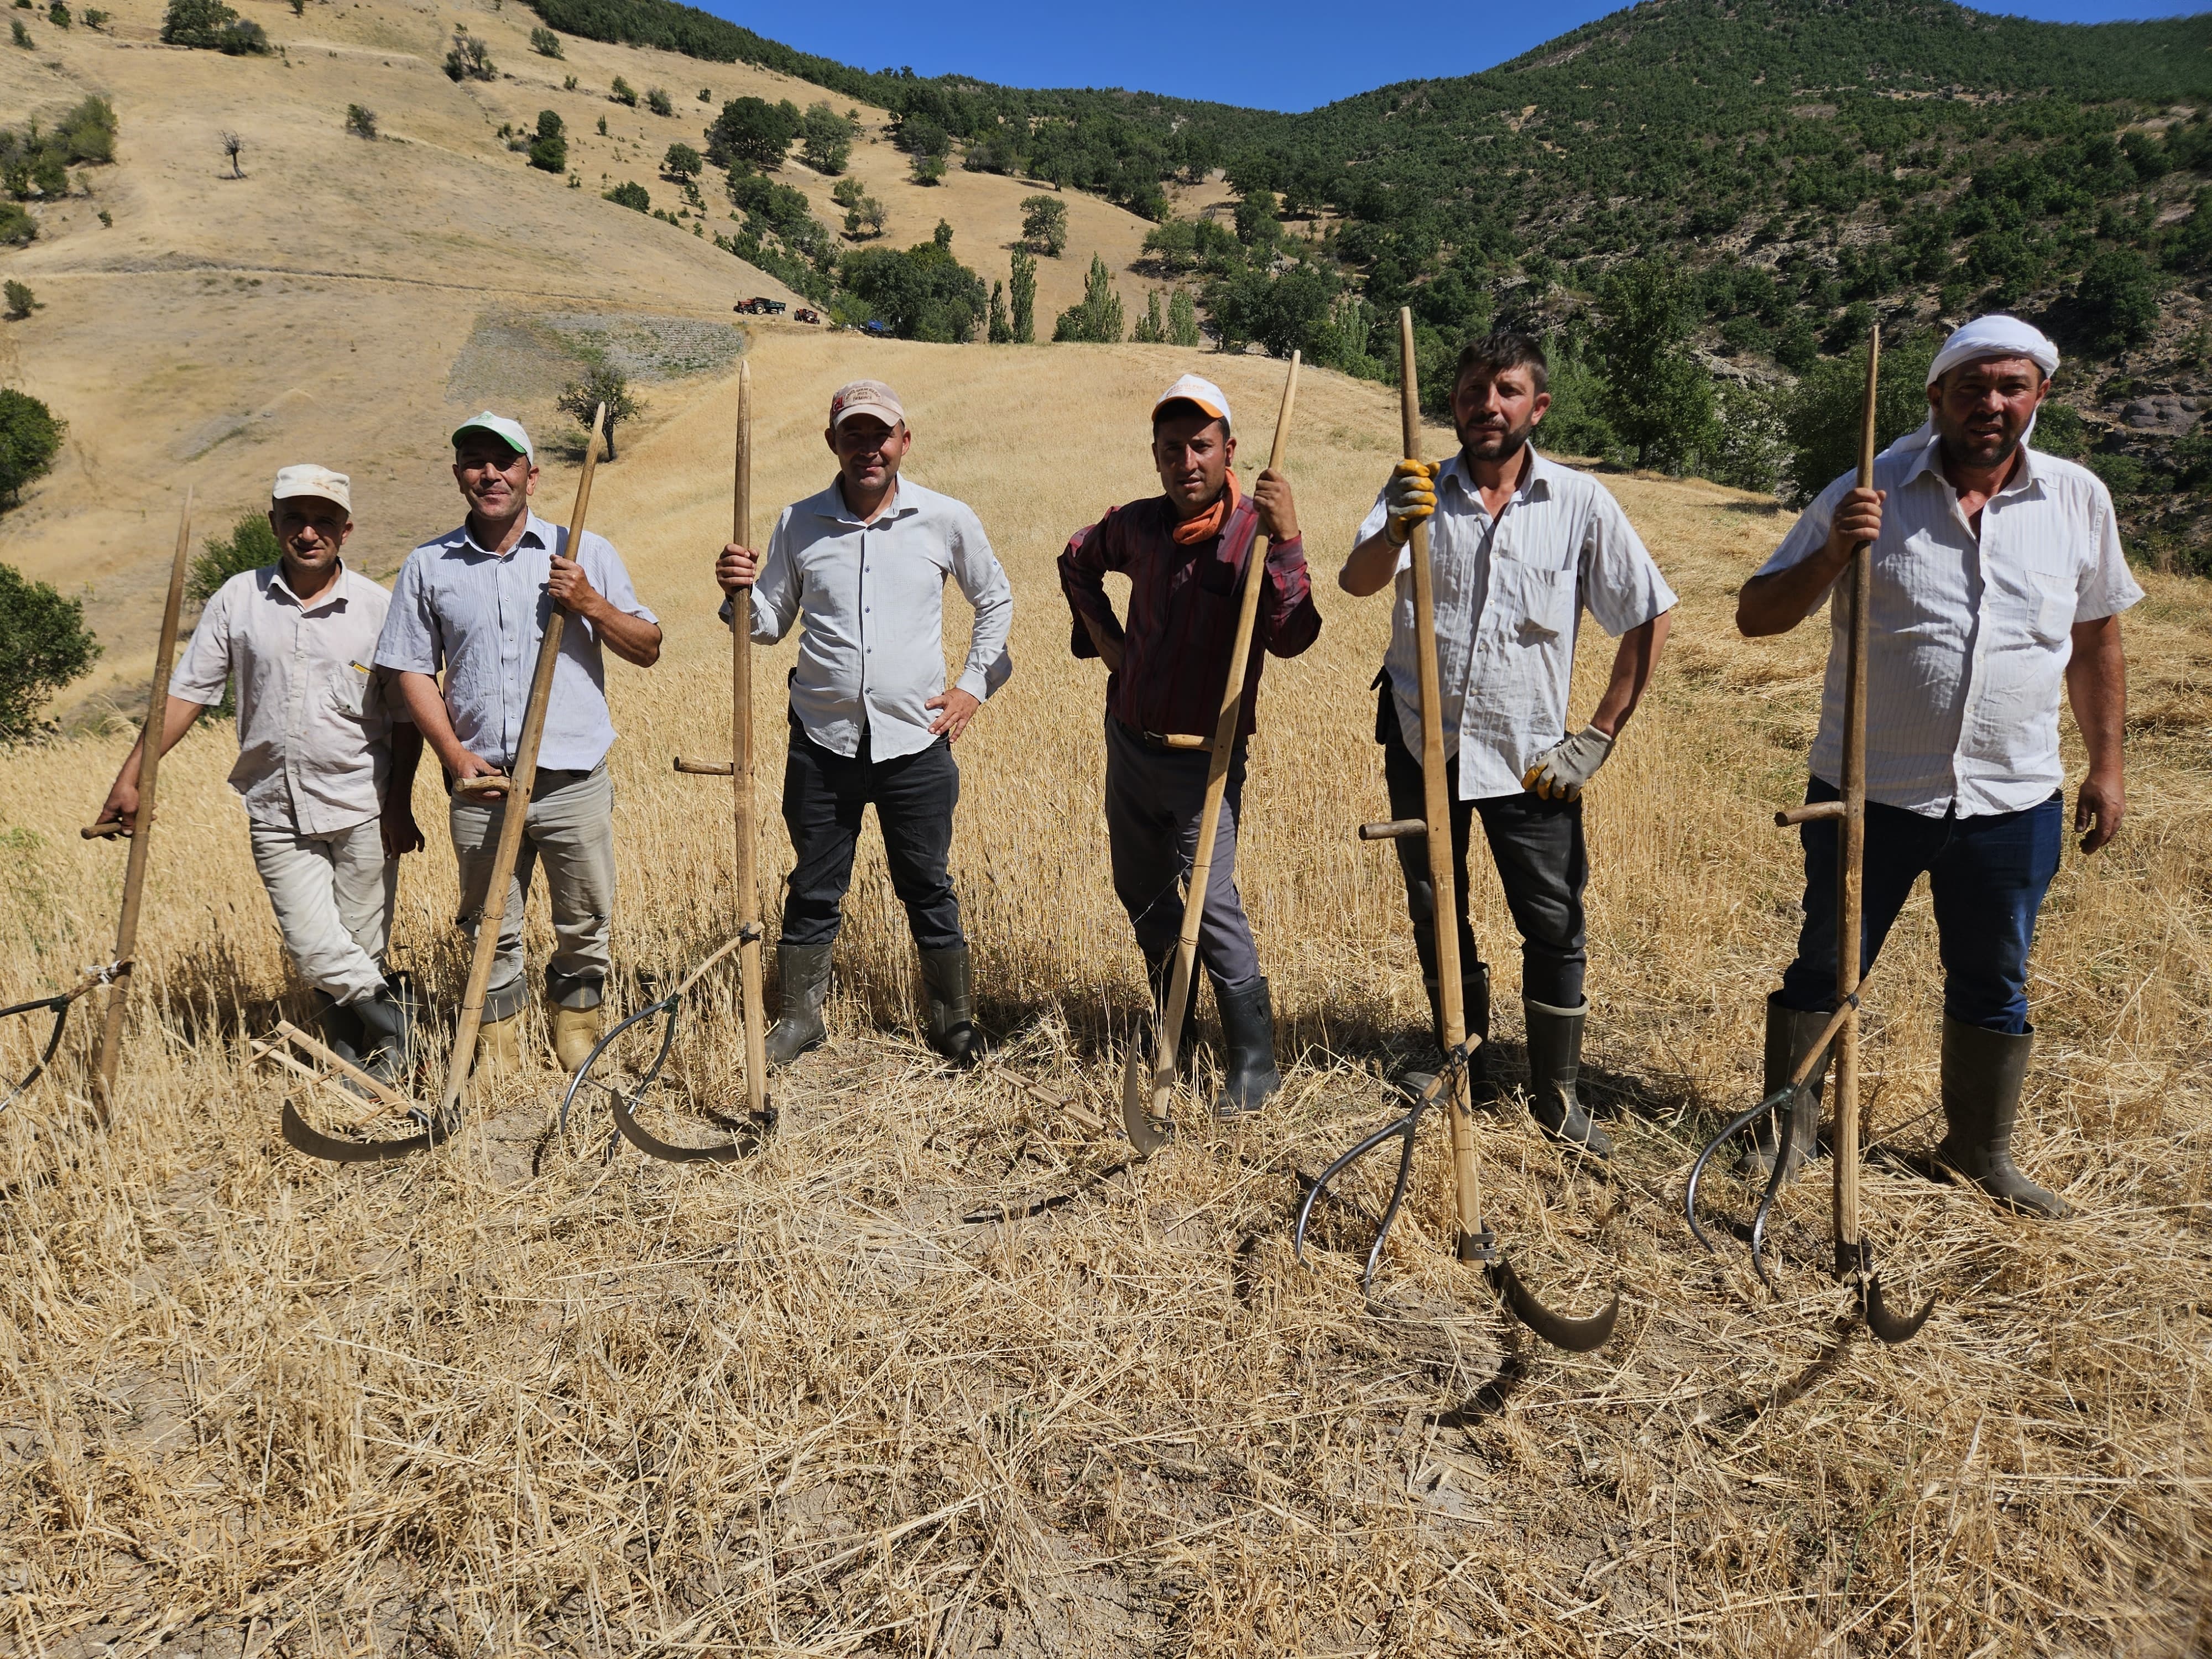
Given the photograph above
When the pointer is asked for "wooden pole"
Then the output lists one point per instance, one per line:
(741, 759)
(1467, 1170)
(1144, 1122)
(107, 1052)
(1850, 868)
(517, 811)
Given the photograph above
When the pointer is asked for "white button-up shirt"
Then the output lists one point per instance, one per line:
(1968, 639)
(314, 737)
(1510, 594)
(872, 598)
(479, 615)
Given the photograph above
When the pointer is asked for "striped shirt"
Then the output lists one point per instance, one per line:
(1509, 594)
(1968, 639)
(314, 736)
(1183, 604)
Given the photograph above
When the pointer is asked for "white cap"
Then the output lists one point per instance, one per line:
(1193, 389)
(319, 480)
(509, 432)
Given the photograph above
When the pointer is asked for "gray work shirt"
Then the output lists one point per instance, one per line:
(872, 598)
(479, 615)
(314, 737)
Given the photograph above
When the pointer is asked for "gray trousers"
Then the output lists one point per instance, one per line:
(333, 894)
(1155, 797)
(570, 830)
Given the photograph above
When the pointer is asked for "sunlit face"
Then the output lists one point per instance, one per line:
(497, 481)
(311, 530)
(868, 454)
(1982, 409)
(1192, 452)
(1494, 412)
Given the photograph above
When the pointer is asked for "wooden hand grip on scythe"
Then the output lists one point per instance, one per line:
(520, 780)
(1144, 1112)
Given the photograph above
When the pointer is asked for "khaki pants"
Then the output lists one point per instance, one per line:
(333, 894)
(570, 830)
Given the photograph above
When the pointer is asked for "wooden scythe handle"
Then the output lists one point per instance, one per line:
(521, 782)
(1436, 810)
(1850, 869)
(108, 1051)
(1143, 1135)
(741, 760)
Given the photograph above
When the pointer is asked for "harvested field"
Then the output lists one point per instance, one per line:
(941, 1371)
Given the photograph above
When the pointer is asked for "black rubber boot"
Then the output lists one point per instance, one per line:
(803, 970)
(1474, 1006)
(1983, 1074)
(1248, 1031)
(1791, 1034)
(387, 1028)
(1555, 1059)
(1157, 975)
(340, 1024)
(946, 977)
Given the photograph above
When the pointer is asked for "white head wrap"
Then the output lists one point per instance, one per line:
(1994, 336)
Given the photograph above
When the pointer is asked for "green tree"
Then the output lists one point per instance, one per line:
(1044, 224)
(1002, 327)
(604, 384)
(921, 293)
(2115, 302)
(30, 438)
(17, 227)
(59, 15)
(1152, 328)
(360, 121)
(1257, 227)
(469, 59)
(20, 304)
(1021, 294)
(681, 161)
(545, 43)
(752, 134)
(211, 26)
(21, 35)
(622, 93)
(659, 102)
(943, 236)
(926, 169)
(1658, 398)
(1820, 416)
(250, 545)
(630, 194)
(825, 138)
(548, 147)
(44, 645)
(1748, 447)
(1182, 320)
(1097, 320)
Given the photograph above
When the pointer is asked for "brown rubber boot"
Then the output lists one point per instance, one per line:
(499, 1046)
(1791, 1034)
(1984, 1072)
(576, 1032)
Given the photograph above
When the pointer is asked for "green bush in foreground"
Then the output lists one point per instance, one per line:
(30, 438)
(44, 645)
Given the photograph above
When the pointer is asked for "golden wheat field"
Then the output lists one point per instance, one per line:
(941, 1371)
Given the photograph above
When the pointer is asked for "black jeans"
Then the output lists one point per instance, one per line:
(824, 797)
(1537, 845)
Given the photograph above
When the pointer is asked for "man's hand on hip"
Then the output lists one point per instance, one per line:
(1560, 772)
(955, 709)
(2098, 811)
(737, 566)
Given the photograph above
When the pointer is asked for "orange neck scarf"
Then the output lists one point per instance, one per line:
(1207, 525)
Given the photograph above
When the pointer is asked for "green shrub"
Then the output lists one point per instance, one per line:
(44, 645)
(1044, 224)
(550, 155)
(58, 14)
(825, 138)
(928, 169)
(22, 35)
(250, 546)
(20, 304)
(16, 227)
(30, 438)
(630, 195)
(1097, 319)
(545, 42)
(360, 121)
(658, 101)
(2115, 302)
(622, 93)
(2124, 475)
(469, 59)
(681, 161)
(94, 19)
(86, 136)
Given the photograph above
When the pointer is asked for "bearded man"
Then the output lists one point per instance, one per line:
(1519, 546)
(1997, 577)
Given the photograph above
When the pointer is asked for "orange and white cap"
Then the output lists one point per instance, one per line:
(865, 398)
(1196, 389)
(319, 480)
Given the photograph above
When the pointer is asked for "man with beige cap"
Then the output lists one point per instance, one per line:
(325, 766)
(1184, 551)
(863, 565)
(474, 603)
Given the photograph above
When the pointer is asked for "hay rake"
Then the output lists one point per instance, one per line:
(91, 980)
(1475, 1241)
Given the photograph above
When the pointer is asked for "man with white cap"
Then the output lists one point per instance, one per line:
(863, 565)
(1519, 546)
(1997, 578)
(1184, 551)
(475, 602)
(325, 766)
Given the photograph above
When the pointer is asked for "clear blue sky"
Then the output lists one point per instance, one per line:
(1289, 54)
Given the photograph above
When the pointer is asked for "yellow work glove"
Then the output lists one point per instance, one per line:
(1560, 771)
(1408, 498)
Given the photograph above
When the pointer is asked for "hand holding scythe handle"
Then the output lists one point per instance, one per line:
(1144, 1112)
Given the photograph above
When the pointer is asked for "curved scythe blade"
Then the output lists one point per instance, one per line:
(1560, 1330)
(1882, 1322)
(301, 1136)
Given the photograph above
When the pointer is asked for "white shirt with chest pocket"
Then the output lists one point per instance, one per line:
(1968, 637)
(1509, 594)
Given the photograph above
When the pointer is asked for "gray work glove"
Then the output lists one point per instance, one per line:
(1560, 771)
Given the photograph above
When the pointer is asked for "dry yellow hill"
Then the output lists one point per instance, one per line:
(348, 300)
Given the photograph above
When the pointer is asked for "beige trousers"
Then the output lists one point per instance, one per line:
(333, 894)
(570, 830)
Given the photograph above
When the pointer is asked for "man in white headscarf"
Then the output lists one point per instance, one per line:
(1997, 578)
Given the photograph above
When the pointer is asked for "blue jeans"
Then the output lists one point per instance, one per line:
(1987, 875)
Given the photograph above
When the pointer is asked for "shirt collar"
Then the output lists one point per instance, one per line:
(1535, 479)
(536, 533)
(2026, 477)
(330, 595)
(831, 503)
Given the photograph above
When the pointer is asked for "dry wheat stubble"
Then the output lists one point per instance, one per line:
(806, 1403)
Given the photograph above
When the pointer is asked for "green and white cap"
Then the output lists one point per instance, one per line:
(509, 432)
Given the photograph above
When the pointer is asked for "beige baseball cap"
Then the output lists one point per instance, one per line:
(1196, 389)
(304, 480)
(509, 432)
(865, 398)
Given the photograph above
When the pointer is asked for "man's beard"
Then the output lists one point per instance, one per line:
(1967, 446)
(1496, 443)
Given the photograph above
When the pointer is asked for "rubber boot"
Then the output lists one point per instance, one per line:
(1248, 1032)
(1474, 1006)
(1555, 1059)
(387, 1028)
(947, 978)
(498, 1046)
(1791, 1034)
(340, 1025)
(1159, 974)
(576, 1032)
(803, 970)
(1983, 1074)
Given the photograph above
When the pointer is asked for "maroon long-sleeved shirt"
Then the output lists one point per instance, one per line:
(1183, 614)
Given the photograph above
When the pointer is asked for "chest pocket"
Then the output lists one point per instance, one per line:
(349, 689)
(1540, 603)
(1216, 576)
(2051, 616)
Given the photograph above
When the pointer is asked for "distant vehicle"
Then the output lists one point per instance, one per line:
(761, 305)
(805, 314)
(874, 326)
